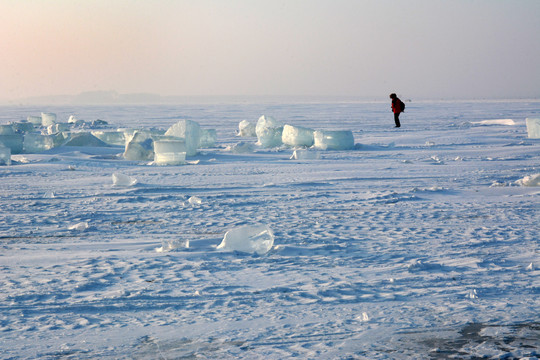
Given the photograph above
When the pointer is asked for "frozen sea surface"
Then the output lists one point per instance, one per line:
(418, 244)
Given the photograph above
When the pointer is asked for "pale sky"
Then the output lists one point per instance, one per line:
(365, 48)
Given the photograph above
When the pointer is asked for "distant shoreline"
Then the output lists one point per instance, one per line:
(114, 99)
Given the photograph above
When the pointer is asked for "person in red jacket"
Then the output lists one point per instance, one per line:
(397, 108)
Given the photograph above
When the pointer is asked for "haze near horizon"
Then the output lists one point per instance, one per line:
(419, 48)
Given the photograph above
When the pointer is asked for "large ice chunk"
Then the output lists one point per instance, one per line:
(140, 147)
(531, 180)
(110, 137)
(35, 120)
(142, 134)
(533, 128)
(98, 123)
(6, 130)
(48, 119)
(246, 129)
(251, 239)
(208, 138)
(169, 151)
(36, 143)
(60, 138)
(269, 132)
(120, 179)
(84, 139)
(297, 136)
(74, 121)
(5, 155)
(305, 155)
(23, 126)
(81, 226)
(14, 142)
(128, 134)
(334, 140)
(189, 131)
(58, 127)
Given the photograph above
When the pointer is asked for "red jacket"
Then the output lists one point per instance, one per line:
(396, 106)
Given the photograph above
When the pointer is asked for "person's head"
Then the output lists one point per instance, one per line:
(393, 96)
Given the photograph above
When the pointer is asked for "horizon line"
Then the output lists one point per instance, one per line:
(111, 97)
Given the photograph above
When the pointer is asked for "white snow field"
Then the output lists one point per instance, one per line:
(420, 242)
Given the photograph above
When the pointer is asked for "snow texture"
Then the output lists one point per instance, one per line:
(241, 147)
(508, 122)
(422, 243)
(82, 226)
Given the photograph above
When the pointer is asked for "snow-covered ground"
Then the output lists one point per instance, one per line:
(420, 243)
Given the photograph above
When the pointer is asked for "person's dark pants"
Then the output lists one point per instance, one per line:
(396, 119)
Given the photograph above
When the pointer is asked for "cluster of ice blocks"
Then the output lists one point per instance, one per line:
(170, 147)
(270, 133)
(41, 133)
